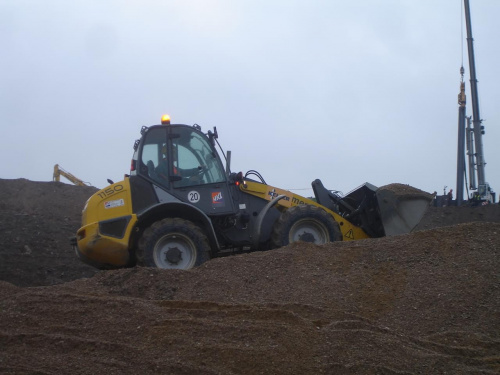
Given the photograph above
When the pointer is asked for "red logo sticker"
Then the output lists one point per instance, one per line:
(217, 198)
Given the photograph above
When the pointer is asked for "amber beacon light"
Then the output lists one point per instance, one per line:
(165, 120)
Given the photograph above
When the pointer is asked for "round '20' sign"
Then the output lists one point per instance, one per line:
(193, 196)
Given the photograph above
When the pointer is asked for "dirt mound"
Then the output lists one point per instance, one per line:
(37, 220)
(405, 191)
(426, 302)
(436, 217)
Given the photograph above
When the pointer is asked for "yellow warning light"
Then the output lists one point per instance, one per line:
(165, 120)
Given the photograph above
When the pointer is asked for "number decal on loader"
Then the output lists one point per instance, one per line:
(193, 196)
(350, 234)
(109, 191)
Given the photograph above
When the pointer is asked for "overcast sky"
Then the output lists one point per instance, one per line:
(345, 91)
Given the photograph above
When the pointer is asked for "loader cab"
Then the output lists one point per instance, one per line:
(178, 156)
(182, 161)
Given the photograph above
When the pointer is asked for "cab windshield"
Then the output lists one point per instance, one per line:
(184, 158)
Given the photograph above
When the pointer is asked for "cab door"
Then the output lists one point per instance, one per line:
(196, 172)
(182, 162)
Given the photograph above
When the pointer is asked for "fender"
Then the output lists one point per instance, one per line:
(260, 219)
(181, 210)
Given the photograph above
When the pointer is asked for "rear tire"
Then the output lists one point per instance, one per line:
(305, 223)
(173, 244)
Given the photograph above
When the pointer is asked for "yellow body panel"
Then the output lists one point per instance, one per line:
(349, 231)
(112, 202)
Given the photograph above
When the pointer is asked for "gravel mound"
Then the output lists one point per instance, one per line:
(404, 190)
(37, 219)
(425, 302)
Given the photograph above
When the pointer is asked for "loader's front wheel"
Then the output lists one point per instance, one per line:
(173, 243)
(305, 223)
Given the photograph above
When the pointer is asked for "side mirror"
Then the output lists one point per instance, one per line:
(213, 136)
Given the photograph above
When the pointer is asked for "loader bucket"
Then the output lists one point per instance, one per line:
(401, 207)
(386, 211)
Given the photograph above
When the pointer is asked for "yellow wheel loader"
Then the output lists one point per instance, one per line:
(181, 206)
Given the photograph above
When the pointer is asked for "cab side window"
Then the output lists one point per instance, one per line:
(153, 159)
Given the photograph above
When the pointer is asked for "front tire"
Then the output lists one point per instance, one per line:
(305, 223)
(173, 243)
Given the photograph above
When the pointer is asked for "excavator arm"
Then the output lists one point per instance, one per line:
(58, 172)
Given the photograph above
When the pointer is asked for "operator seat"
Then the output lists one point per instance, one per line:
(151, 170)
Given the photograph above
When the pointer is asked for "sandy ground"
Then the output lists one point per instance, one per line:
(421, 303)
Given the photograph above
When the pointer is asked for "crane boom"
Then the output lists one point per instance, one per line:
(484, 194)
(461, 141)
(476, 117)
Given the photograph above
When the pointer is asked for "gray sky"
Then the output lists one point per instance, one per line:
(345, 91)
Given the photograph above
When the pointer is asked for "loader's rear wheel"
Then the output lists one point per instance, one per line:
(305, 223)
(173, 244)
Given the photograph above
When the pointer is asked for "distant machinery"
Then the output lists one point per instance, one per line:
(58, 172)
(470, 135)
